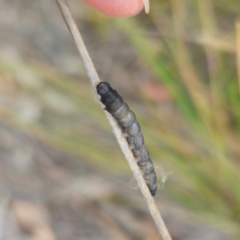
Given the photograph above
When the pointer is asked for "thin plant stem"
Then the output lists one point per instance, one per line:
(146, 6)
(94, 79)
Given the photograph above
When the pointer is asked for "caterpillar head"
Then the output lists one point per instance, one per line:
(108, 95)
(103, 88)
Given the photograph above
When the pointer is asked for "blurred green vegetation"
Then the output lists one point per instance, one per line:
(189, 49)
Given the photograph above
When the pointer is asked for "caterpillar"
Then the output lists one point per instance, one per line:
(126, 119)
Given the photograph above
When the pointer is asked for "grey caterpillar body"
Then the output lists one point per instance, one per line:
(127, 121)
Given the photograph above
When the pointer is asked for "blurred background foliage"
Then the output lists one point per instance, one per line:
(179, 70)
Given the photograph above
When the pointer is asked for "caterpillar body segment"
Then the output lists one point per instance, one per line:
(131, 130)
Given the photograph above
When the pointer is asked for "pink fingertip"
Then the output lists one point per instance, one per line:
(117, 8)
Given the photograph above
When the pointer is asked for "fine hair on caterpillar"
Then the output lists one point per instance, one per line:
(131, 130)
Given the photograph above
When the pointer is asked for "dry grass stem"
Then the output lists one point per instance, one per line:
(116, 129)
(146, 6)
